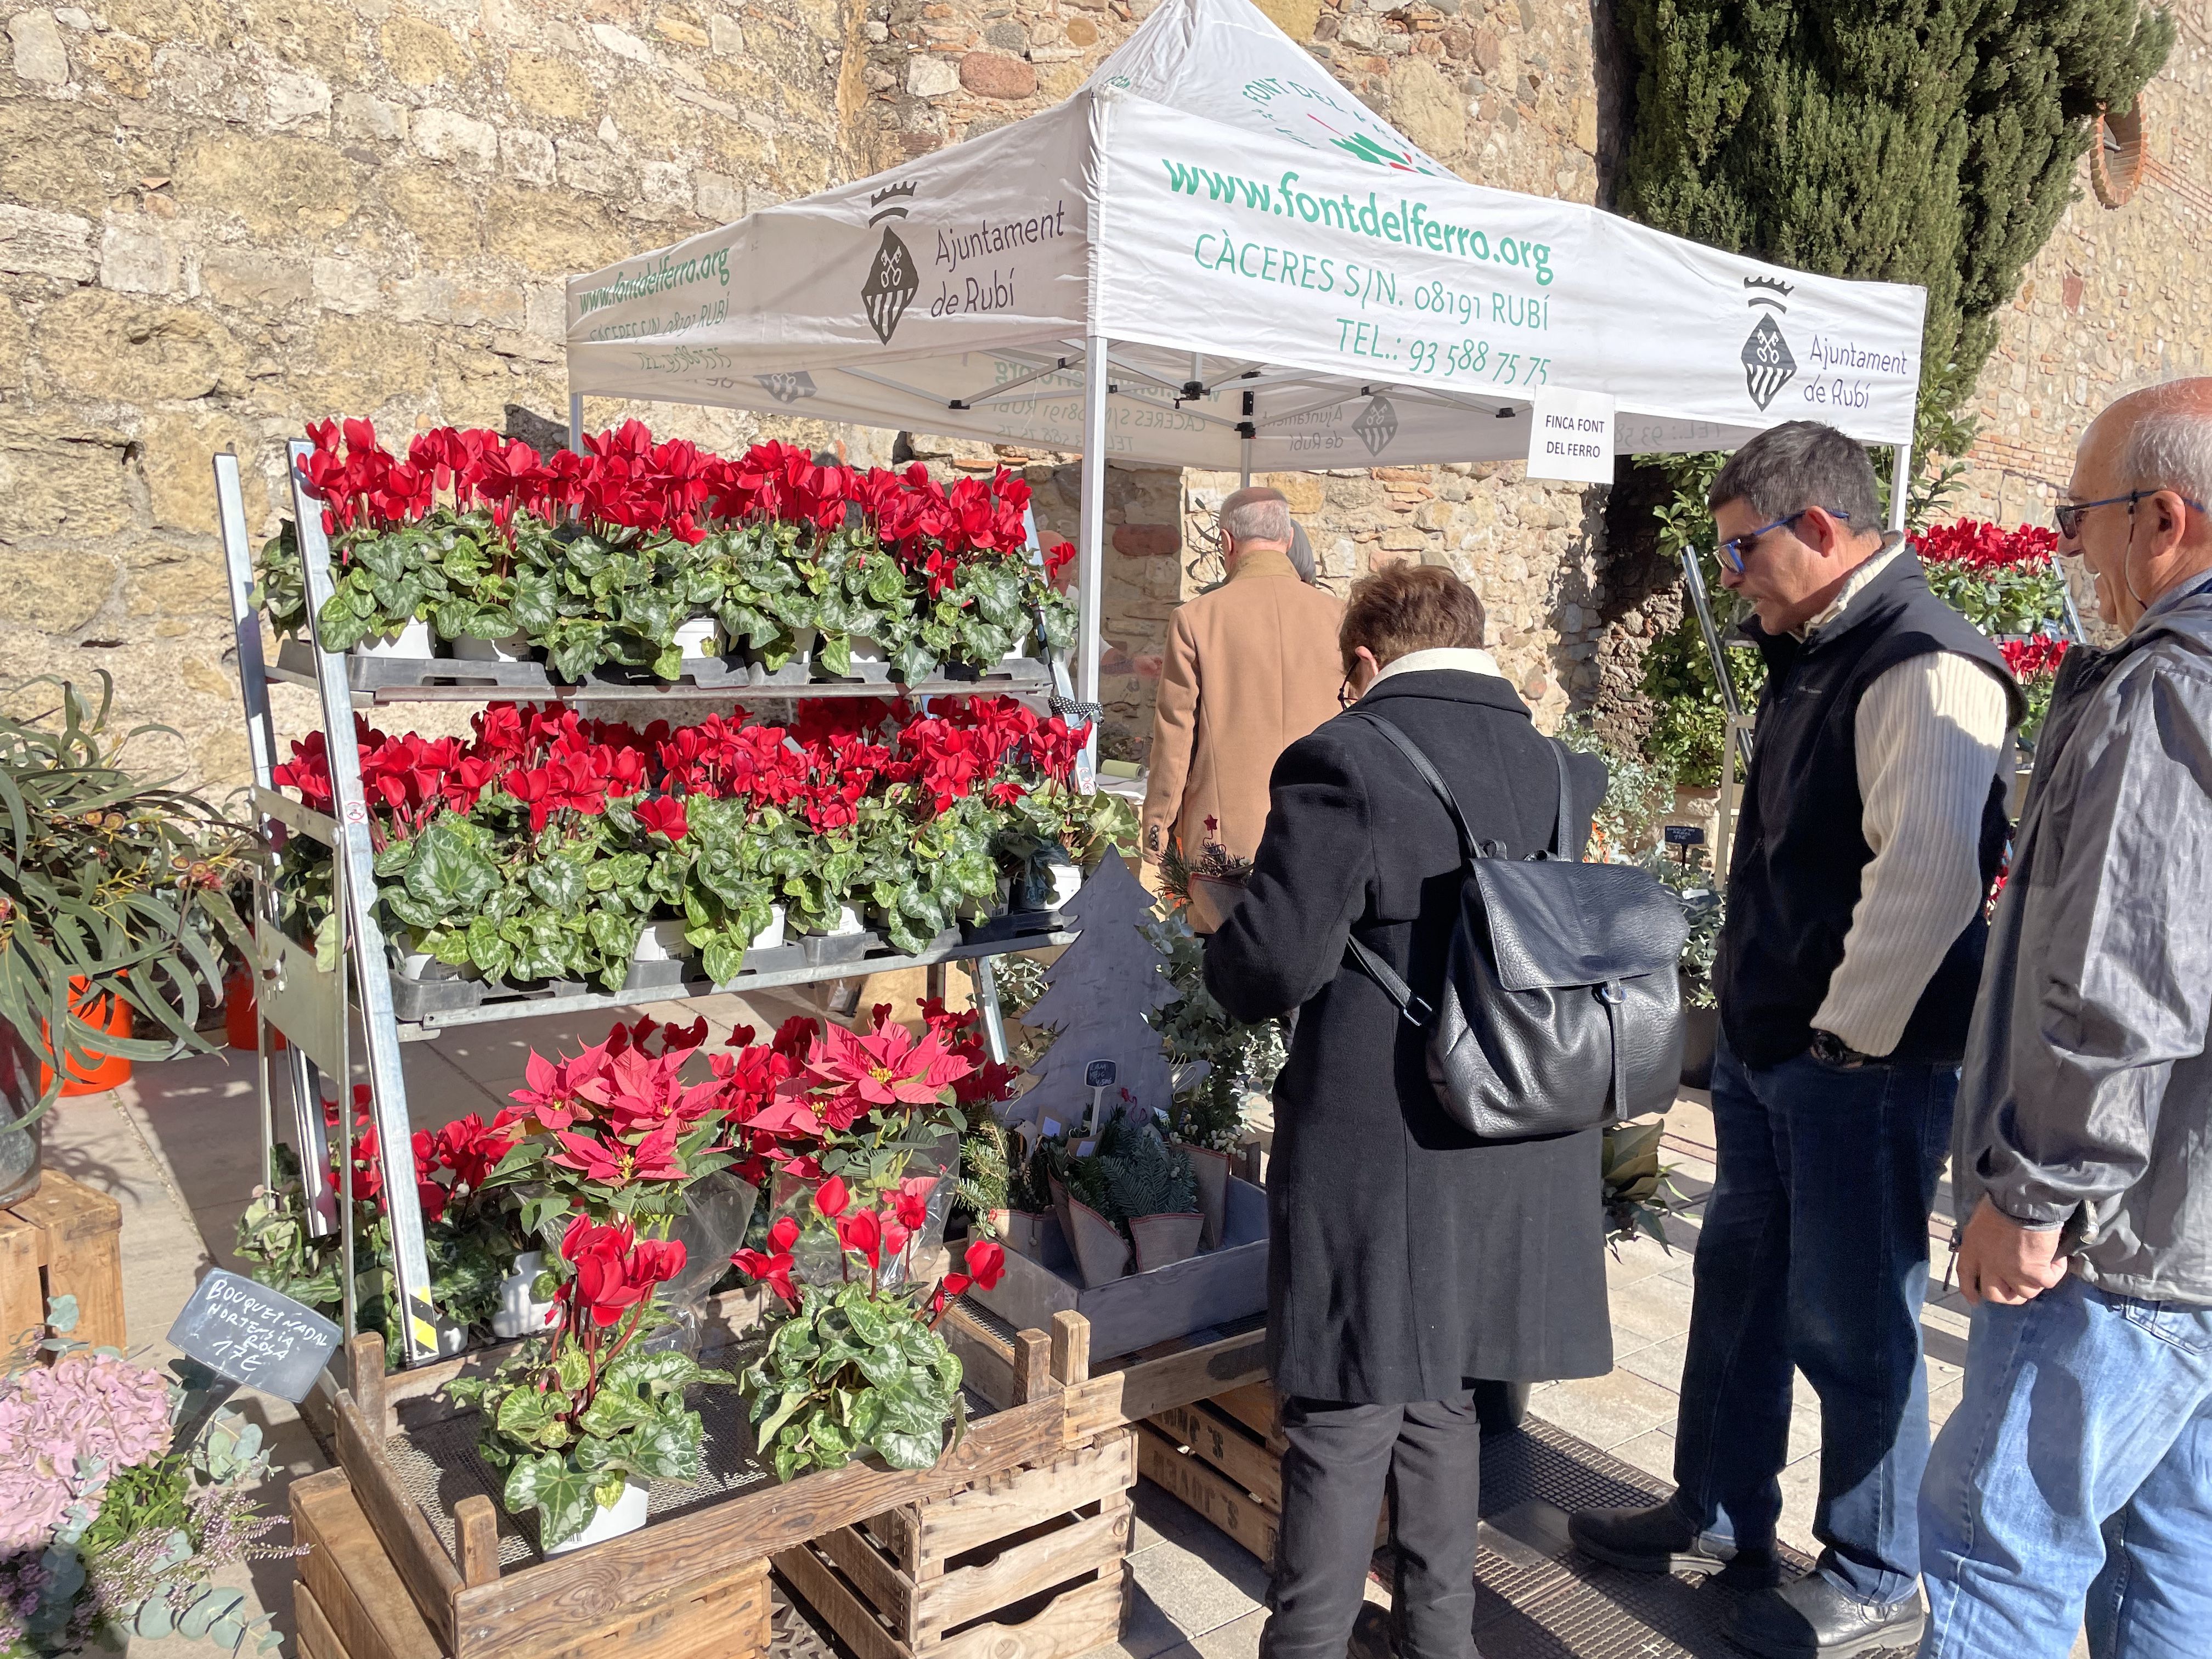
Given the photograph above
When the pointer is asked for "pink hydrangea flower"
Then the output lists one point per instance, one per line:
(64, 1429)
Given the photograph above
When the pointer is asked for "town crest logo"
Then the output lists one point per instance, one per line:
(1377, 424)
(1768, 363)
(893, 277)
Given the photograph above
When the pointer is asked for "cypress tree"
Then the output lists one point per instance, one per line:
(1919, 141)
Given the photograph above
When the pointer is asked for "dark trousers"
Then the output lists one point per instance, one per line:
(1341, 1460)
(1814, 1256)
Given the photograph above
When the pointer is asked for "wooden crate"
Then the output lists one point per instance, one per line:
(1223, 1457)
(1030, 1564)
(351, 1604)
(1125, 1390)
(560, 1608)
(64, 1239)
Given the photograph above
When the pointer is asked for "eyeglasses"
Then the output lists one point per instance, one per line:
(2067, 515)
(1732, 551)
(1345, 696)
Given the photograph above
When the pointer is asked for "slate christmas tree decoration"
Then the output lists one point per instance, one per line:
(1097, 998)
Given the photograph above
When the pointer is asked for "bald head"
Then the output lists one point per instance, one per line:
(2154, 446)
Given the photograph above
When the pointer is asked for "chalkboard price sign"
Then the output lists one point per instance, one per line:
(251, 1334)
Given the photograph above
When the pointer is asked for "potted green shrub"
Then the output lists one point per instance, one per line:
(110, 888)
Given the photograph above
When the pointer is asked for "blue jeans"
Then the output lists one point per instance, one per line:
(2074, 1479)
(1814, 1257)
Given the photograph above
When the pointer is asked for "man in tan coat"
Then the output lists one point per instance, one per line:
(1251, 668)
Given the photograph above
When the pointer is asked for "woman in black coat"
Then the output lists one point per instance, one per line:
(1408, 1259)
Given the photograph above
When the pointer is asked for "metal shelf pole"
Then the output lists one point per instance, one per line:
(353, 866)
(308, 1139)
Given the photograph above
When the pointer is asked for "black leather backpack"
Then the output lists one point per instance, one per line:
(1560, 1009)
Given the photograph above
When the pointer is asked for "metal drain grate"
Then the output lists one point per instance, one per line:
(1539, 1598)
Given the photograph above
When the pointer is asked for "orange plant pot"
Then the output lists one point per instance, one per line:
(112, 1015)
(239, 1011)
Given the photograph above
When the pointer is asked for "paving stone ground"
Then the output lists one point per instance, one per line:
(176, 1146)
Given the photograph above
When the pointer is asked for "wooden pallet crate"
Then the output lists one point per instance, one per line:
(1223, 1457)
(64, 1239)
(474, 1607)
(1030, 1564)
(350, 1602)
(1125, 1390)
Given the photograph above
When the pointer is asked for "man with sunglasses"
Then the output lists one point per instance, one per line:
(1872, 827)
(2074, 1479)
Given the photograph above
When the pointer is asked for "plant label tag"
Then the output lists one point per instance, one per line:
(253, 1334)
(1100, 1074)
(1571, 435)
(1085, 1148)
(1052, 1128)
(1685, 834)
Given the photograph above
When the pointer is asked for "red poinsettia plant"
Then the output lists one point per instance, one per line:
(617, 1132)
(865, 1133)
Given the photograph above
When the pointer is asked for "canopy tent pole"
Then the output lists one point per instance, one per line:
(1245, 463)
(1900, 485)
(576, 421)
(1091, 533)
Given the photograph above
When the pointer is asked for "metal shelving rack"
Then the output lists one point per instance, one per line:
(317, 1010)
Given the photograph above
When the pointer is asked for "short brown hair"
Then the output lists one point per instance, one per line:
(1408, 607)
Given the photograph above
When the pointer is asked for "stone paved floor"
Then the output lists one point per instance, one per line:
(176, 1145)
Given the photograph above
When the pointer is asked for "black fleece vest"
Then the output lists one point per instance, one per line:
(1794, 876)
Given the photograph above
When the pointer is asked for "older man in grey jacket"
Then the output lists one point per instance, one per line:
(2074, 1479)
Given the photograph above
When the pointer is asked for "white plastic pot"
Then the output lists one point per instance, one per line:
(1066, 882)
(412, 641)
(661, 941)
(628, 1514)
(420, 964)
(771, 936)
(848, 924)
(515, 647)
(699, 637)
(519, 1314)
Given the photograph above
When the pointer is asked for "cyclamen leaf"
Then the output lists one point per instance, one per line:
(613, 1410)
(659, 1371)
(492, 955)
(909, 1451)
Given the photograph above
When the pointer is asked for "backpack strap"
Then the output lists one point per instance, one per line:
(1415, 1008)
(1559, 828)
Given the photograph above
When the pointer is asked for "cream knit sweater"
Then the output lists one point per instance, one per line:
(1930, 733)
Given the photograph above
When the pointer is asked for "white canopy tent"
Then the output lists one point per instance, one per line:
(1214, 255)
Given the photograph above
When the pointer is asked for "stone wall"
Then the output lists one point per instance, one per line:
(2116, 299)
(220, 220)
